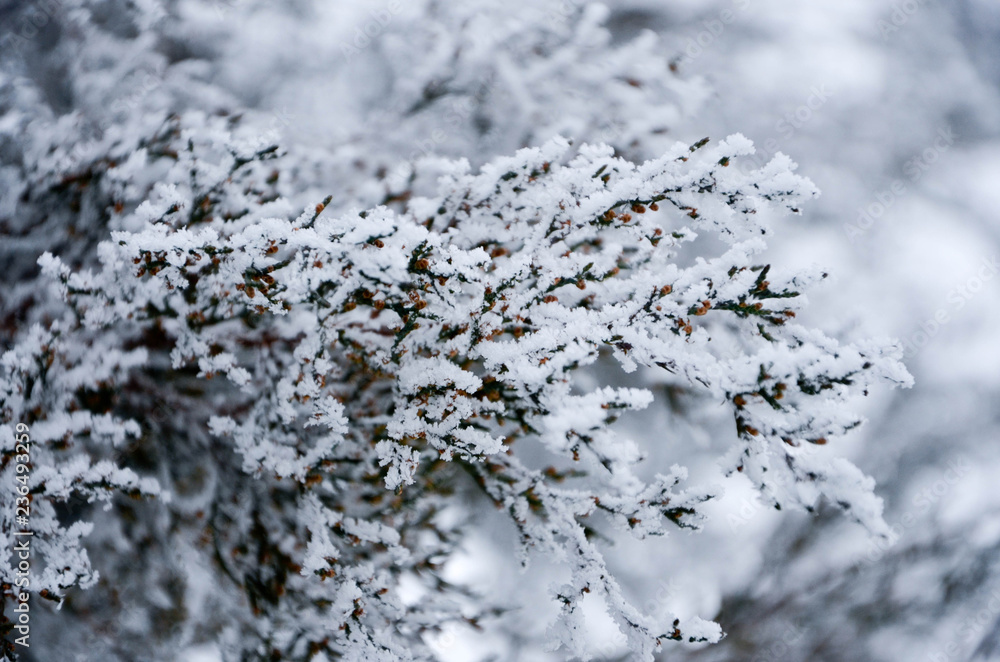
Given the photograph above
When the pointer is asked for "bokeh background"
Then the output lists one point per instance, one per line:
(891, 107)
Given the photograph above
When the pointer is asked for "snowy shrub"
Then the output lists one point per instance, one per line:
(372, 368)
(288, 416)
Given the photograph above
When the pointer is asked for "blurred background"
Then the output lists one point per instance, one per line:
(891, 107)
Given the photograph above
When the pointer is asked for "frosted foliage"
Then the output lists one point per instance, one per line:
(272, 385)
(377, 361)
